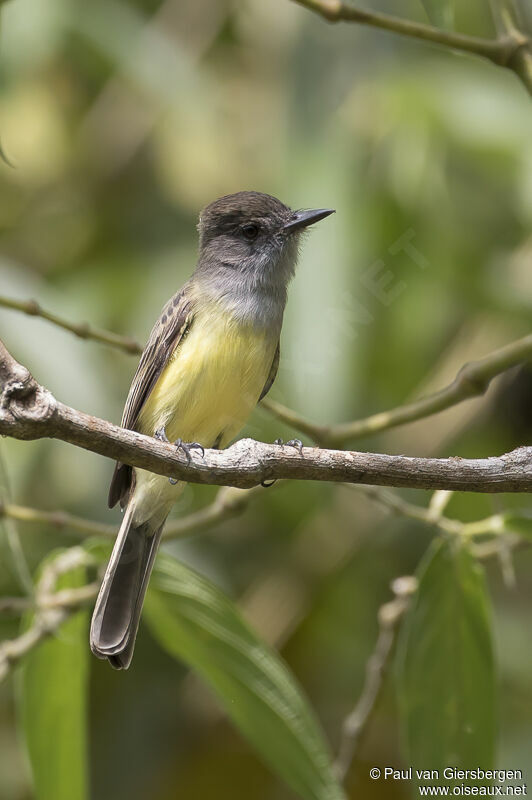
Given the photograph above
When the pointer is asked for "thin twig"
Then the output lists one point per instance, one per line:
(507, 23)
(501, 527)
(471, 381)
(228, 503)
(14, 544)
(51, 608)
(56, 519)
(81, 329)
(356, 723)
(507, 51)
(493, 547)
(15, 605)
(493, 525)
(320, 434)
(438, 503)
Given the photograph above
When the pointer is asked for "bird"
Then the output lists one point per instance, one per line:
(212, 355)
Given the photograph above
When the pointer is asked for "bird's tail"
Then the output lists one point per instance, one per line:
(116, 616)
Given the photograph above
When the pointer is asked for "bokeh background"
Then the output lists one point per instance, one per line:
(122, 119)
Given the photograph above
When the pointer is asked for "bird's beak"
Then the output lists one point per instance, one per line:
(302, 219)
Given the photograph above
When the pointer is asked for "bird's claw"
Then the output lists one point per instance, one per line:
(160, 434)
(297, 443)
(186, 447)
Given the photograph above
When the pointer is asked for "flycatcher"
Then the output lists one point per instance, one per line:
(211, 356)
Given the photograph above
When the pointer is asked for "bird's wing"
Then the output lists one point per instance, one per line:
(273, 372)
(168, 331)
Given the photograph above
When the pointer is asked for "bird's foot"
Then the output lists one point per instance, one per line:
(160, 434)
(297, 443)
(186, 447)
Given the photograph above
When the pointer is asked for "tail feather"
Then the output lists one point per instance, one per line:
(116, 616)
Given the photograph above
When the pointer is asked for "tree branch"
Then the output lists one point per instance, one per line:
(508, 50)
(81, 329)
(228, 503)
(356, 723)
(15, 605)
(52, 608)
(506, 21)
(56, 519)
(507, 530)
(29, 411)
(495, 525)
(14, 544)
(472, 380)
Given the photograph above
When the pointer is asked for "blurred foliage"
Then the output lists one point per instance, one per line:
(53, 705)
(446, 643)
(194, 621)
(121, 120)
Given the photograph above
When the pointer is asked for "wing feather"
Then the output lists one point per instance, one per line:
(174, 321)
(273, 372)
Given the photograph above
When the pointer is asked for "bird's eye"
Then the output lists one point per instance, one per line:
(250, 231)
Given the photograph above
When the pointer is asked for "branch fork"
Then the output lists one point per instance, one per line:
(512, 49)
(23, 402)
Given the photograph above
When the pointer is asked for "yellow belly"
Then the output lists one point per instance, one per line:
(211, 383)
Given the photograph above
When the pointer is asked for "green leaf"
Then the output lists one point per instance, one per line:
(53, 706)
(195, 622)
(440, 13)
(446, 667)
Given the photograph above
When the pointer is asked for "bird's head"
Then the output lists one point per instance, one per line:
(254, 235)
